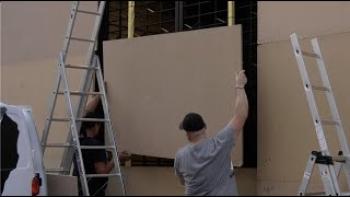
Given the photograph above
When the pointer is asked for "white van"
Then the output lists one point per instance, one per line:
(22, 169)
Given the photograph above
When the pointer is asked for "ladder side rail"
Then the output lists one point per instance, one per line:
(334, 177)
(108, 124)
(338, 167)
(52, 106)
(86, 82)
(88, 75)
(67, 158)
(342, 138)
(309, 95)
(71, 23)
(95, 32)
(53, 99)
(330, 185)
(73, 129)
(330, 97)
(87, 79)
(307, 175)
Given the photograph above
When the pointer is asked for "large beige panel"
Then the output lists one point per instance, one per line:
(31, 83)
(35, 30)
(154, 81)
(276, 20)
(286, 134)
(161, 181)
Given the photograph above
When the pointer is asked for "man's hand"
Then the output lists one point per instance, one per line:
(92, 104)
(124, 156)
(241, 79)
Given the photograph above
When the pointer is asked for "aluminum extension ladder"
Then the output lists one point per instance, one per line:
(329, 166)
(92, 66)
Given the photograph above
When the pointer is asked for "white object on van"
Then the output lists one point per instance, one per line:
(30, 161)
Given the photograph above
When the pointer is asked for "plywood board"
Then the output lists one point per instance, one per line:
(154, 81)
(278, 19)
(286, 133)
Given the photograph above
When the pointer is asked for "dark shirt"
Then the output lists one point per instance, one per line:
(97, 186)
(100, 114)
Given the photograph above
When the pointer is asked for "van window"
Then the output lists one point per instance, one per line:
(9, 153)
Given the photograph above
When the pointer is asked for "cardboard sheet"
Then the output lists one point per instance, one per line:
(154, 81)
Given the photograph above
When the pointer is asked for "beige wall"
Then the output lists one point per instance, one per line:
(31, 37)
(283, 117)
(154, 81)
(278, 19)
(35, 30)
(285, 130)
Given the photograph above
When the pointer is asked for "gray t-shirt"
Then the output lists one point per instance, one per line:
(206, 167)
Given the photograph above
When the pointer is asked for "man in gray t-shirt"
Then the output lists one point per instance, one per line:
(204, 165)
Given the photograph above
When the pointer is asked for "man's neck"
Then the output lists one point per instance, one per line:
(194, 139)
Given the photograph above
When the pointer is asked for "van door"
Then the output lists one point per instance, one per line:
(18, 153)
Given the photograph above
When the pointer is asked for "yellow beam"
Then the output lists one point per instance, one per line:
(230, 12)
(131, 19)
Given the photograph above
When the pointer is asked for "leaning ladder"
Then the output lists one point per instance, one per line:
(92, 66)
(329, 166)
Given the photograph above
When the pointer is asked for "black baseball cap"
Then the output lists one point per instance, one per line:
(192, 122)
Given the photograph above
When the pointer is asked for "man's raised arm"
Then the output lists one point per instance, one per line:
(241, 104)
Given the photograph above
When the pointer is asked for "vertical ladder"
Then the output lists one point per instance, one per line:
(72, 147)
(329, 166)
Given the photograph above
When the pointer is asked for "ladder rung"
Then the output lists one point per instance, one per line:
(92, 120)
(310, 54)
(80, 39)
(88, 12)
(80, 67)
(320, 88)
(60, 119)
(80, 119)
(97, 147)
(329, 122)
(56, 170)
(80, 93)
(102, 175)
(58, 145)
